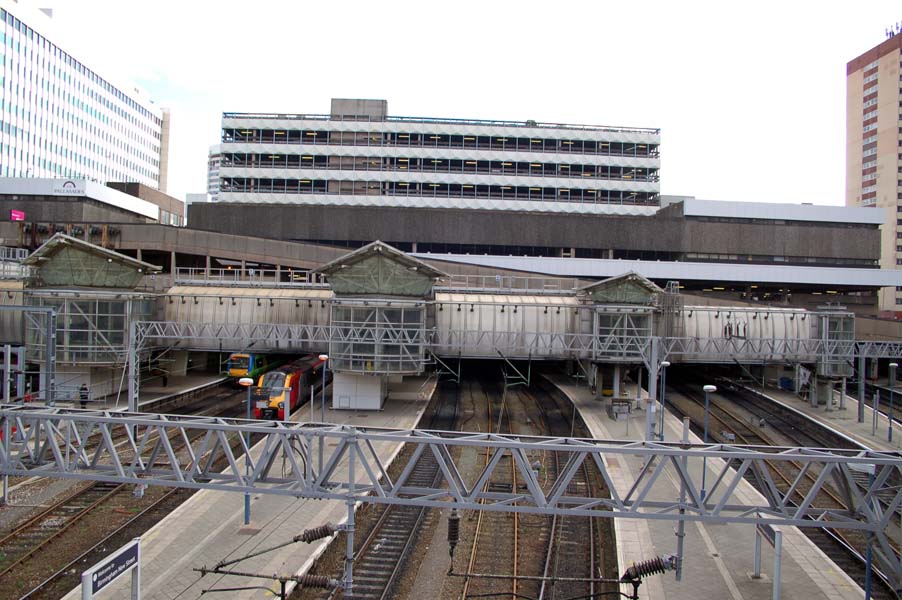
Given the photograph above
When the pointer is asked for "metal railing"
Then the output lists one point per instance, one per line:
(573, 195)
(508, 284)
(14, 270)
(13, 254)
(439, 120)
(248, 277)
(564, 173)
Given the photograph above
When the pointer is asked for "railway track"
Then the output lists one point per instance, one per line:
(495, 539)
(24, 556)
(43, 529)
(845, 548)
(385, 552)
(871, 389)
(565, 555)
(71, 571)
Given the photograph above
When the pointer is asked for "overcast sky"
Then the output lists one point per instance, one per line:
(750, 96)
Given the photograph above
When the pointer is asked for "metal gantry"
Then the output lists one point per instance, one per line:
(79, 444)
(631, 345)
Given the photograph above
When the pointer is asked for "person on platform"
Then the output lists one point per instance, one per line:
(83, 395)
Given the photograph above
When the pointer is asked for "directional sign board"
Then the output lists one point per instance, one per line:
(127, 558)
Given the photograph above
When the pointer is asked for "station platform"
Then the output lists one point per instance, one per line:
(153, 394)
(209, 527)
(845, 420)
(718, 559)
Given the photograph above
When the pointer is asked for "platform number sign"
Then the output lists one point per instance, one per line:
(104, 573)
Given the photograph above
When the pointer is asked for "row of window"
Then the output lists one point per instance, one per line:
(501, 192)
(25, 32)
(61, 119)
(555, 251)
(434, 140)
(436, 165)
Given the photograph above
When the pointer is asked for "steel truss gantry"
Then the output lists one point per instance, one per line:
(79, 444)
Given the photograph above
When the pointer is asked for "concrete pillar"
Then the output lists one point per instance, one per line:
(172, 263)
(138, 256)
(179, 364)
(617, 381)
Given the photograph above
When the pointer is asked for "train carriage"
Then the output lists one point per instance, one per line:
(289, 384)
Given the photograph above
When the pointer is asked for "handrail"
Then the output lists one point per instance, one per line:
(440, 120)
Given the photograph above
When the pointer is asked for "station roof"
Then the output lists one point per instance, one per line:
(379, 248)
(379, 269)
(67, 261)
(629, 288)
(589, 268)
(693, 207)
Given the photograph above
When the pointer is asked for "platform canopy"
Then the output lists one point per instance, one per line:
(378, 269)
(65, 261)
(629, 288)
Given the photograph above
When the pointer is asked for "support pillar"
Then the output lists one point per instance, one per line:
(133, 367)
(861, 375)
(7, 367)
(617, 381)
(349, 527)
(172, 263)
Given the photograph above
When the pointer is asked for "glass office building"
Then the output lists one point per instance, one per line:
(60, 118)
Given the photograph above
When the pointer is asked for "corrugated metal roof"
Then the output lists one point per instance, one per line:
(693, 207)
(589, 268)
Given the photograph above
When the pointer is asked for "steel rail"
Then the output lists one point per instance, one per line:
(70, 520)
(833, 536)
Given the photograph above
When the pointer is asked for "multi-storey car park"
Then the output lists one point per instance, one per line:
(60, 117)
(358, 155)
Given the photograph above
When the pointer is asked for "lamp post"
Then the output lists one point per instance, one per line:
(709, 389)
(248, 383)
(322, 412)
(892, 387)
(664, 365)
(322, 417)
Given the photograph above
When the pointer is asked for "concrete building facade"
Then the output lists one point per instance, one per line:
(358, 155)
(214, 160)
(874, 148)
(62, 118)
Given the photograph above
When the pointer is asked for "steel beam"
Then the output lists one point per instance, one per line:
(79, 444)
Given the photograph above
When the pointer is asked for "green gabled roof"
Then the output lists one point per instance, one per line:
(628, 288)
(70, 262)
(378, 269)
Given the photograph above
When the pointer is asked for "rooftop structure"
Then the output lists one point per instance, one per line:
(62, 118)
(358, 155)
(66, 201)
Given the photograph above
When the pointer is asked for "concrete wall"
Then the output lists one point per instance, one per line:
(57, 209)
(659, 233)
(138, 190)
(157, 238)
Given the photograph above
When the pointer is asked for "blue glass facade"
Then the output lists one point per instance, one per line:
(59, 118)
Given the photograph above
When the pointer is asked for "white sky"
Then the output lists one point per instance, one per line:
(750, 96)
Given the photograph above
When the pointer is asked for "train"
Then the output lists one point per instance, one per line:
(291, 382)
(243, 364)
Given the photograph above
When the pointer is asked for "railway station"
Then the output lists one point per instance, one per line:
(524, 365)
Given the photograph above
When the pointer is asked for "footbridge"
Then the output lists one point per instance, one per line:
(378, 313)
